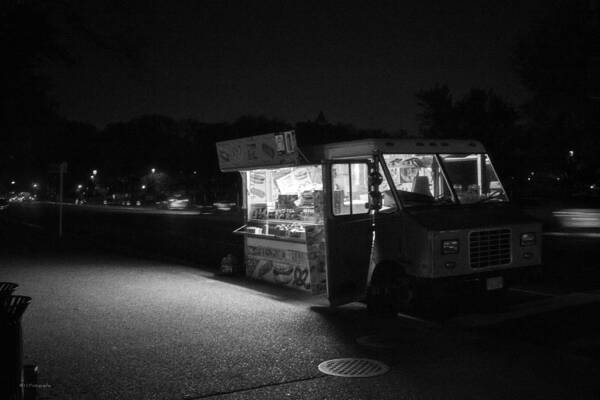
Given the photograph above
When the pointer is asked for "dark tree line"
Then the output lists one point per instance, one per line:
(558, 61)
(479, 114)
(181, 152)
(555, 131)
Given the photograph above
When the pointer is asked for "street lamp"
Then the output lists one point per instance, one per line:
(12, 182)
(153, 170)
(95, 172)
(79, 187)
(143, 187)
(35, 185)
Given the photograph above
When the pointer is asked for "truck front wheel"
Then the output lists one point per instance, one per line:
(391, 290)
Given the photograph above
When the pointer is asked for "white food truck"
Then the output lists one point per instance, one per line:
(381, 220)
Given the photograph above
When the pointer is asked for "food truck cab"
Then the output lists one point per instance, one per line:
(381, 220)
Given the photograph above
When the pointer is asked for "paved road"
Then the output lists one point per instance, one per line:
(569, 254)
(106, 326)
(193, 236)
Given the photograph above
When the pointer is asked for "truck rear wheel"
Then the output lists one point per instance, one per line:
(391, 290)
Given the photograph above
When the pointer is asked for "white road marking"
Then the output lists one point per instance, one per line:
(417, 319)
(534, 292)
(29, 224)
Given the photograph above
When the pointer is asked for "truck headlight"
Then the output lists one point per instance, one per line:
(450, 246)
(527, 239)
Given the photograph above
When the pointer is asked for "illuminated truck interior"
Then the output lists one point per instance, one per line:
(441, 179)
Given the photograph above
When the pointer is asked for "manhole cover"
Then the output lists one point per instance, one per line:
(353, 367)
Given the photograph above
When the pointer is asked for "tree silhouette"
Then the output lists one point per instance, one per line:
(26, 38)
(437, 116)
(558, 61)
(481, 115)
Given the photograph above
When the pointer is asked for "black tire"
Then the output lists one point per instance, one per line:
(391, 291)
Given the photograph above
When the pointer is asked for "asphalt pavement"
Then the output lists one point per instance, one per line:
(103, 325)
(109, 326)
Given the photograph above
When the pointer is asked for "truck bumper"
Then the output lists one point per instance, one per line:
(478, 283)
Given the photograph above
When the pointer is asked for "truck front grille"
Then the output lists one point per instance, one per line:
(489, 248)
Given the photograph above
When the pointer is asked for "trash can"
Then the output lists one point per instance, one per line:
(11, 346)
(6, 289)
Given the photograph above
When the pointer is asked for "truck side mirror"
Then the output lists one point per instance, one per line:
(375, 178)
(375, 200)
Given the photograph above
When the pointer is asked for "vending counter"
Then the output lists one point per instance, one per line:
(285, 237)
(284, 232)
(295, 261)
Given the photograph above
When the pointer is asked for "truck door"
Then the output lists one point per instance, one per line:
(348, 226)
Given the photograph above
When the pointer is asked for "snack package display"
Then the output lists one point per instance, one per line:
(287, 201)
(286, 193)
(284, 263)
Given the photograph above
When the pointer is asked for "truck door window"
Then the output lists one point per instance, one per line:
(350, 188)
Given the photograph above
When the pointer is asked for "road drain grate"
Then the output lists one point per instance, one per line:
(353, 367)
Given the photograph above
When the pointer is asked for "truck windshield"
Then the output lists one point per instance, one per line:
(473, 178)
(420, 179)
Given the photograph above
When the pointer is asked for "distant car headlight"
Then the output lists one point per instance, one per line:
(450, 246)
(528, 239)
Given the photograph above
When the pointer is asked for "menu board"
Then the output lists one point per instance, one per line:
(297, 180)
(272, 149)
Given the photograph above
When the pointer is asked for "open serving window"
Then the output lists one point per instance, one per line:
(282, 202)
(285, 238)
(284, 235)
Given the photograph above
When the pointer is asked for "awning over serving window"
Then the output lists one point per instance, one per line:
(269, 150)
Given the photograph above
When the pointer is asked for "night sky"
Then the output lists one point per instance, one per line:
(358, 62)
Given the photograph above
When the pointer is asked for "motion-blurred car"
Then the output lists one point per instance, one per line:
(175, 202)
(21, 197)
(224, 205)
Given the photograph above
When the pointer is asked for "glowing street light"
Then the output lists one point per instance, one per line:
(92, 177)
(12, 182)
(143, 187)
(571, 153)
(79, 187)
(153, 170)
(35, 185)
(95, 172)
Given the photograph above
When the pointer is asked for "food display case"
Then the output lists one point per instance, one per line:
(283, 230)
